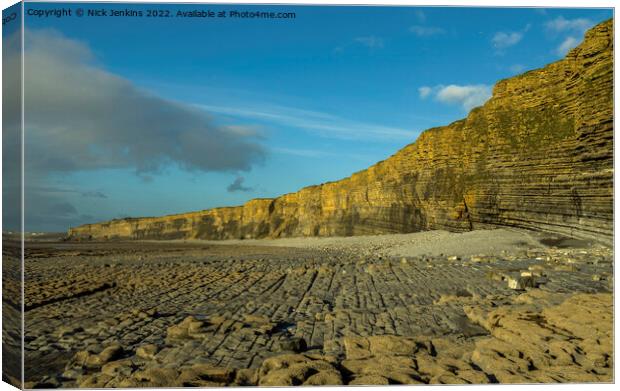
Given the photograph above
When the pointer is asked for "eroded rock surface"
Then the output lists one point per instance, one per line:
(11, 310)
(539, 337)
(179, 314)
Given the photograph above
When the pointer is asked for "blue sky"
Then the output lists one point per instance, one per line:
(288, 102)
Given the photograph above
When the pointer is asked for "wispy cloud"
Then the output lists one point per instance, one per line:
(561, 24)
(53, 190)
(312, 153)
(61, 190)
(322, 124)
(568, 30)
(424, 91)
(516, 68)
(567, 44)
(426, 31)
(502, 40)
(467, 96)
(505, 39)
(315, 153)
(371, 41)
(421, 29)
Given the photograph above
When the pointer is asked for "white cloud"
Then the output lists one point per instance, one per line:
(424, 91)
(467, 96)
(370, 41)
(426, 31)
(561, 24)
(517, 68)
(502, 40)
(566, 45)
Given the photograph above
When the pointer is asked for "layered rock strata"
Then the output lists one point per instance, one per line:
(537, 155)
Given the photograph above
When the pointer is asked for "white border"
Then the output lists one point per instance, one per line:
(475, 3)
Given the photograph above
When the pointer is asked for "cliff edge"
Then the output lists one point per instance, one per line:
(537, 155)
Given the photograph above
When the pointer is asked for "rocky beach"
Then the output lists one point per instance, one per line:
(329, 311)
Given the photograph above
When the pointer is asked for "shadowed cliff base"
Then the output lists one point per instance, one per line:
(537, 155)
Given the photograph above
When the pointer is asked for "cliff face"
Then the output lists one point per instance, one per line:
(537, 155)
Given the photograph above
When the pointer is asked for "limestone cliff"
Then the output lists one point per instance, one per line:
(537, 155)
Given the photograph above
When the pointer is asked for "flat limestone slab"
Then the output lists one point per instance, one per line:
(431, 243)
